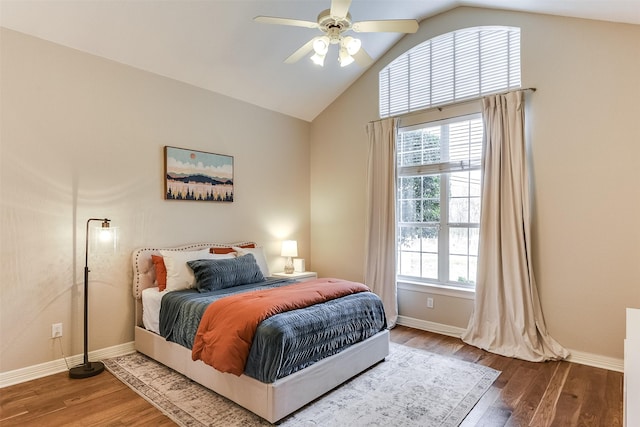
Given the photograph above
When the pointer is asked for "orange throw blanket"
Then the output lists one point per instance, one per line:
(227, 327)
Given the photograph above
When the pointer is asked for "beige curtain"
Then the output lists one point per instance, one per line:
(507, 317)
(380, 222)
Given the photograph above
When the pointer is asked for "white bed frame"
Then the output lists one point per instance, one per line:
(271, 401)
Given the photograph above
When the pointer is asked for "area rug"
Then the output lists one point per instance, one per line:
(410, 388)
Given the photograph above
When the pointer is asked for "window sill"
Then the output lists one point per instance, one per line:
(436, 289)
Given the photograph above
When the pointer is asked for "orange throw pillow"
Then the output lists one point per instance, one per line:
(161, 271)
(229, 250)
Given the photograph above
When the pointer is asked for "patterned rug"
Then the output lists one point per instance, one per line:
(410, 388)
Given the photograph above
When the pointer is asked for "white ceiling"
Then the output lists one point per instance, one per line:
(214, 44)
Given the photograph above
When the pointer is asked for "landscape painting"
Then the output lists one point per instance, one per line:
(196, 175)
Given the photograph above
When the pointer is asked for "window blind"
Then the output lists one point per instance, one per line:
(445, 146)
(455, 66)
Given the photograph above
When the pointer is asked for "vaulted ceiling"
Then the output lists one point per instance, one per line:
(216, 45)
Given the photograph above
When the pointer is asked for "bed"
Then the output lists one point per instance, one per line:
(271, 400)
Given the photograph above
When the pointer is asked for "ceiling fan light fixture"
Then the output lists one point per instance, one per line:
(344, 57)
(318, 59)
(351, 44)
(333, 23)
(321, 45)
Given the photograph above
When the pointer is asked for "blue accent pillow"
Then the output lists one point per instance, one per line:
(215, 274)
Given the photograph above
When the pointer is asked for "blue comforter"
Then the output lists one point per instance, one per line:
(286, 342)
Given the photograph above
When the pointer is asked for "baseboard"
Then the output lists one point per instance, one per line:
(49, 368)
(596, 360)
(424, 325)
(580, 357)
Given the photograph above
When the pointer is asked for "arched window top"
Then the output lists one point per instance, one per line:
(458, 65)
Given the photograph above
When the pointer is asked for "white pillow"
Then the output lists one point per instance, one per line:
(258, 254)
(179, 274)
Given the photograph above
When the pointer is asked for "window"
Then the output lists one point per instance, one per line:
(455, 66)
(438, 201)
(438, 188)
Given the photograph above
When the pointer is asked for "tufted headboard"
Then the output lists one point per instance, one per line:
(144, 274)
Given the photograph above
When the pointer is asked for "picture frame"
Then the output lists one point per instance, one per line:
(197, 175)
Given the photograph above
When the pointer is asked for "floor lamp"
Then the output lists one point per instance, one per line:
(88, 369)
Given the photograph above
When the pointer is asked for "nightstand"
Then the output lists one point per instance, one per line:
(299, 276)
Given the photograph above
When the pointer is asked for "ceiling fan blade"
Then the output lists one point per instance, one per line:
(362, 58)
(388, 26)
(340, 8)
(285, 21)
(300, 53)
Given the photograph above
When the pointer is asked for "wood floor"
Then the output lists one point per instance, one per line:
(525, 394)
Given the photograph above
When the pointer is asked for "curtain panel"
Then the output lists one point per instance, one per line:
(507, 318)
(380, 222)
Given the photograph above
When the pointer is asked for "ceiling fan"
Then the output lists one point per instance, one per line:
(334, 22)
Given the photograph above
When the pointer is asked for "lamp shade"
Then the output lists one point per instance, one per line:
(351, 44)
(344, 57)
(318, 59)
(321, 45)
(289, 248)
(105, 238)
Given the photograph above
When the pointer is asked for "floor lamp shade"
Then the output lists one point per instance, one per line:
(90, 369)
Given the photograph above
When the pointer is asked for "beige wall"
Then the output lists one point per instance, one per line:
(584, 132)
(83, 137)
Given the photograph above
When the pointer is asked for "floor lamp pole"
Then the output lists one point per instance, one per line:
(87, 369)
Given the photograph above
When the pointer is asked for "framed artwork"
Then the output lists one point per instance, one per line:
(196, 175)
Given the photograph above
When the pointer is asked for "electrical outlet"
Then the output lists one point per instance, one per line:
(429, 302)
(56, 330)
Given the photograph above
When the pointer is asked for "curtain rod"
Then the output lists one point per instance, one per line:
(452, 104)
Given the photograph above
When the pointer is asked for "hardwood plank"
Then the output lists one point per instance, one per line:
(57, 400)
(470, 354)
(523, 394)
(546, 408)
(479, 412)
(613, 396)
(593, 401)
